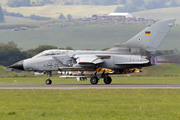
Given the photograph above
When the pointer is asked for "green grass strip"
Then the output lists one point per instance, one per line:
(136, 104)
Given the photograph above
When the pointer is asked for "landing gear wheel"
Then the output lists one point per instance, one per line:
(48, 82)
(107, 80)
(94, 80)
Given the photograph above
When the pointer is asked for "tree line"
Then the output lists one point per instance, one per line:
(148, 4)
(10, 53)
(32, 16)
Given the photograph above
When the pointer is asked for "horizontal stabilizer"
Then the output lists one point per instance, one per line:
(133, 63)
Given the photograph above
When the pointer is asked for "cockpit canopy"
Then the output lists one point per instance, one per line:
(51, 53)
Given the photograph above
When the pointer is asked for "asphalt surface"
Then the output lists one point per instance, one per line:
(89, 86)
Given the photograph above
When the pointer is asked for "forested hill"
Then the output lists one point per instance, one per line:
(129, 5)
(51, 9)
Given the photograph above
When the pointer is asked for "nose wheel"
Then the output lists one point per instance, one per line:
(48, 82)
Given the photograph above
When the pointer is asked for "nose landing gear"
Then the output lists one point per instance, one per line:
(49, 81)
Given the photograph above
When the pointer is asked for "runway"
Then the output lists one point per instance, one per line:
(89, 86)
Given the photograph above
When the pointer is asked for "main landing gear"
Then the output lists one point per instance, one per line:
(95, 80)
(107, 80)
(48, 81)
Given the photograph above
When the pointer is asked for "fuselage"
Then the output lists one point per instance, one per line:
(52, 60)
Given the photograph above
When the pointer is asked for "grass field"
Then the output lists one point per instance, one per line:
(78, 37)
(24, 23)
(161, 13)
(54, 11)
(94, 104)
(10, 19)
(82, 37)
(90, 104)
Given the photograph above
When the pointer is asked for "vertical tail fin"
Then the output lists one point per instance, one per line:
(149, 39)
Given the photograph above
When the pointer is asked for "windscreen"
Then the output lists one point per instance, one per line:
(51, 53)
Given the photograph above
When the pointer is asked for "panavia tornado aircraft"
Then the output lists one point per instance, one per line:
(130, 56)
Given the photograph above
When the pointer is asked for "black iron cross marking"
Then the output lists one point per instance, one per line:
(50, 65)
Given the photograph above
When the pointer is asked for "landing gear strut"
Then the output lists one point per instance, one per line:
(107, 80)
(49, 81)
(94, 80)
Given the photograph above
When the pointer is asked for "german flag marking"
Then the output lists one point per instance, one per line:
(147, 33)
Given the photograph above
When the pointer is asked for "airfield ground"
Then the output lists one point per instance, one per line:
(129, 104)
(96, 104)
(116, 80)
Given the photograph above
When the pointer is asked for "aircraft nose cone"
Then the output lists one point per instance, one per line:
(18, 65)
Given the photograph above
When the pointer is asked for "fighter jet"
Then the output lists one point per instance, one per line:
(134, 54)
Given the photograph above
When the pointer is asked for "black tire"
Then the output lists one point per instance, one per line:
(48, 82)
(107, 80)
(94, 80)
